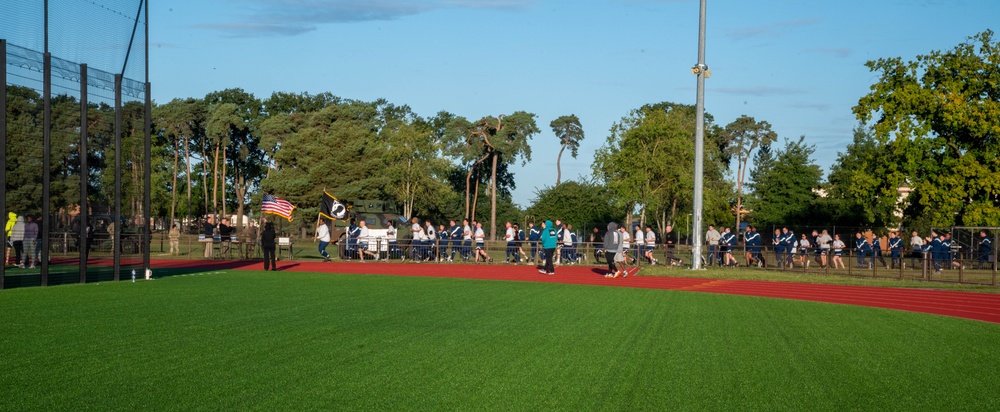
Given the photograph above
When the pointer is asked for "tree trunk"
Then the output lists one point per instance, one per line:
(241, 195)
(493, 200)
(475, 199)
(215, 179)
(173, 192)
(740, 174)
(558, 167)
(224, 163)
(187, 158)
(204, 176)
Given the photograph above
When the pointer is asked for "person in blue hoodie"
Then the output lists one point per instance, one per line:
(936, 248)
(549, 238)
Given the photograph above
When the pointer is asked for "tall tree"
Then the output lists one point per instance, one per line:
(784, 189)
(223, 118)
(647, 164)
(940, 112)
(745, 135)
(415, 172)
(569, 132)
(243, 161)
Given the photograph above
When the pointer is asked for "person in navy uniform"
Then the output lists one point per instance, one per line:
(935, 248)
(895, 249)
(985, 247)
(949, 252)
(353, 232)
(455, 233)
(520, 241)
(877, 251)
(752, 241)
(862, 247)
(788, 238)
(727, 242)
(534, 235)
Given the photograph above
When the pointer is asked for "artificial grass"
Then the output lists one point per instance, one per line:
(298, 341)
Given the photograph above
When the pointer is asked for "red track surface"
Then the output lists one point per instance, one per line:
(979, 306)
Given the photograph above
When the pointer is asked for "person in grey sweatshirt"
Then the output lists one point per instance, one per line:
(612, 246)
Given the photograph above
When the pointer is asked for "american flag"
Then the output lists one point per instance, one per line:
(277, 206)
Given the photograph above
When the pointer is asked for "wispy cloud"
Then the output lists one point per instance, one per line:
(769, 29)
(758, 91)
(836, 51)
(292, 17)
(812, 106)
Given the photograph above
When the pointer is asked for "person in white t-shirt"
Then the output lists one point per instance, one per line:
(418, 248)
(917, 248)
(481, 244)
(640, 241)
(393, 247)
(323, 236)
(650, 245)
(626, 243)
(510, 236)
(431, 241)
(364, 240)
(467, 235)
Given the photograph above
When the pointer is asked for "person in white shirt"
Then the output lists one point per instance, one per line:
(804, 248)
(567, 245)
(323, 236)
(712, 236)
(390, 236)
(481, 244)
(364, 241)
(510, 236)
(418, 248)
(917, 247)
(467, 235)
(626, 243)
(431, 241)
(824, 241)
(640, 242)
(838, 252)
(650, 245)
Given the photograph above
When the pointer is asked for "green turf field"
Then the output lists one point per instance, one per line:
(293, 341)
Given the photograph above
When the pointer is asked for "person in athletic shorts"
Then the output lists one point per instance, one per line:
(481, 244)
(824, 241)
(419, 241)
(431, 235)
(392, 248)
(626, 245)
(650, 240)
(364, 242)
(838, 252)
(455, 233)
(727, 242)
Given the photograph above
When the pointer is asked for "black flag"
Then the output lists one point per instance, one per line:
(331, 208)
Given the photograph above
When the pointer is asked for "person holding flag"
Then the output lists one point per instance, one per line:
(323, 236)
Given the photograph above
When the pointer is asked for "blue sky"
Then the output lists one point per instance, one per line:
(796, 64)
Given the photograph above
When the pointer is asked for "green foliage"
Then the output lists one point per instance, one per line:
(583, 204)
(864, 183)
(647, 163)
(940, 113)
(783, 185)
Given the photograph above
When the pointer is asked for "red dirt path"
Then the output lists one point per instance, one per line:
(969, 305)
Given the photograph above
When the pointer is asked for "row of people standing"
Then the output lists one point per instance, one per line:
(24, 239)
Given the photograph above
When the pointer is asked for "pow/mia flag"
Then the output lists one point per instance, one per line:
(331, 208)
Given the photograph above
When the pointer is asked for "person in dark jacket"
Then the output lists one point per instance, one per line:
(268, 244)
(612, 247)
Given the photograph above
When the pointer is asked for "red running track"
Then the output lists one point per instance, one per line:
(969, 305)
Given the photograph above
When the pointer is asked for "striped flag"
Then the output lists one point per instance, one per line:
(277, 206)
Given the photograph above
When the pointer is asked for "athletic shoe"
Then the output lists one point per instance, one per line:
(625, 274)
(541, 271)
(617, 273)
(552, 273)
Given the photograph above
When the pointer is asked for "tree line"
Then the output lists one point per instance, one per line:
(929, 124)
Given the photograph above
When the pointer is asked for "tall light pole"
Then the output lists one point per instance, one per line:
(701, 70)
